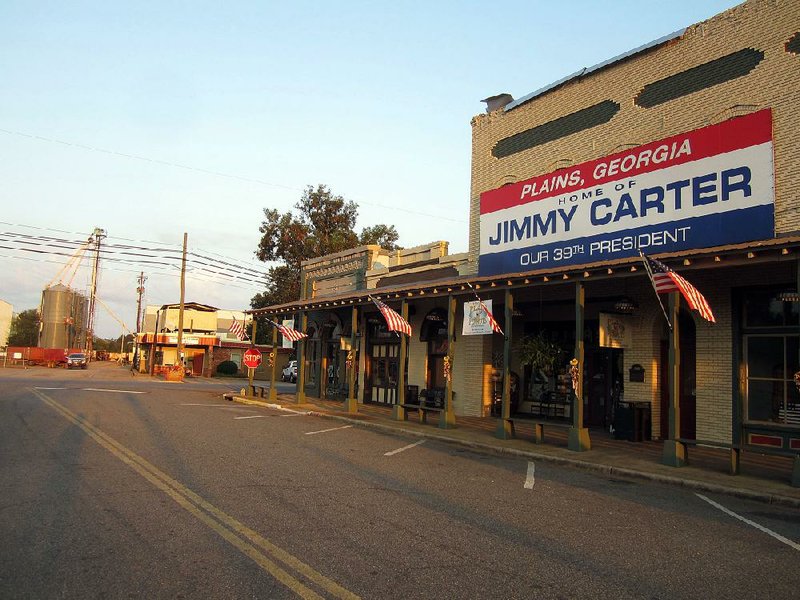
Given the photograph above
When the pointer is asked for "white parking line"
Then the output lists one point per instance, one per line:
(530, 479)
(252, 417)
(50, 388)
(112, 391)
(727, 511)
(392, 452)
(225, 407)
(327, 430)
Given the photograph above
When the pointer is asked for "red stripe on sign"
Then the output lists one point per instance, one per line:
(773, 441)
(733, 134)
(794, 444)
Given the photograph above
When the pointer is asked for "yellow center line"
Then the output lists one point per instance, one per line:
(236, 533)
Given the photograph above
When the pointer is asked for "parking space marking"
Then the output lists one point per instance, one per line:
(112, 391)
(50, 388)
(530, 477)
(327, 430)
(729, 512)
(399, 450)
(252, 417)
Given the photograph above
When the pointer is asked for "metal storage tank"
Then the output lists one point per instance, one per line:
(63, 318)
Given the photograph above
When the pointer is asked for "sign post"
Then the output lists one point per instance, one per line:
(251, 359)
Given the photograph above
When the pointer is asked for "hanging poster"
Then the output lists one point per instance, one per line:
(287, 343)
(476, 321)
(615, 331)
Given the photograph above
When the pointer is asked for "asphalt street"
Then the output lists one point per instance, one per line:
(119, 486)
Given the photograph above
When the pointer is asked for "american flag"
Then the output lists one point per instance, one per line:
(495, 325)
(237, 329)
(289, 333)
(665, 280)
(394, 322)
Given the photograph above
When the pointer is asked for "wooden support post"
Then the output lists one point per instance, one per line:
(538, 433)
(447, 418)
(300, 393)
(273, 390)
(398, 412)
(505, 426)
(674, 453)
(578, 439)
(351, 403)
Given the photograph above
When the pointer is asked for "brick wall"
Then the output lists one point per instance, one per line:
(762, 25)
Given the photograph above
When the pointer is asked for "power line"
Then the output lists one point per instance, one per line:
(212, 172)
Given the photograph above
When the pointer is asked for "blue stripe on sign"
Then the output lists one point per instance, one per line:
(756, 223)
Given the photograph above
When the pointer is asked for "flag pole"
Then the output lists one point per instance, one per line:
(653, 283)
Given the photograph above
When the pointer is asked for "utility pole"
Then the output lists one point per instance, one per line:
(98, 235)
(140, 292)
(183, 291)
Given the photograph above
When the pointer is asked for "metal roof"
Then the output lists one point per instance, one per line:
(597, 67)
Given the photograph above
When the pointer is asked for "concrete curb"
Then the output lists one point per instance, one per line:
(528, 454)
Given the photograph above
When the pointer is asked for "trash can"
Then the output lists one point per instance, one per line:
(623, 422)
(641, 421)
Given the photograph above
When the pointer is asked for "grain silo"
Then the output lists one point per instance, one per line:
(64, 313)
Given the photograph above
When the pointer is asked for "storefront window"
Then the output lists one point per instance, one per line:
(771, 343)
(763, 309)
(771, 391)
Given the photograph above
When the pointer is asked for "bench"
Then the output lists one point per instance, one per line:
(259, 390)
(422, 410)
(538, 426)
(735, 451)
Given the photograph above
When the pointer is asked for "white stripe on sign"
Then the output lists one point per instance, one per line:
(529, 479)
(112, 391)
(777, 536)
(252, 417)
(327, 430)
(399, 450)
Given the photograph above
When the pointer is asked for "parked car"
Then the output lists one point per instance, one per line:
(290, 372)
(77, 360)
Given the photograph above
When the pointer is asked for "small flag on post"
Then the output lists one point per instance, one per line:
(289, 333)
(394, 322)
(665, 280)
(237, 329)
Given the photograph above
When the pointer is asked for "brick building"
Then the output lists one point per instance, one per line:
(687, 149)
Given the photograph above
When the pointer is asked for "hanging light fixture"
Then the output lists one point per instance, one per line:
(789, 296)
(625, 305)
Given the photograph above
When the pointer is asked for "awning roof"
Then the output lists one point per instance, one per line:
(783, 248)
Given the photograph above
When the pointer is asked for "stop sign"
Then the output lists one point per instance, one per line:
(252, 357)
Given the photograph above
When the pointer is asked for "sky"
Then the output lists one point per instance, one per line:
(154, 119)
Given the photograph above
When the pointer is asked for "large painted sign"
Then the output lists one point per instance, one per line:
(704, 188)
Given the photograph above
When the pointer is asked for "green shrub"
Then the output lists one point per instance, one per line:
(227, 367)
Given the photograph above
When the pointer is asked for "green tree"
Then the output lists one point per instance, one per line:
(24, 328)
(322, 224)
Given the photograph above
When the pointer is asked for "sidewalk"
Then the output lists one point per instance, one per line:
(763, 477)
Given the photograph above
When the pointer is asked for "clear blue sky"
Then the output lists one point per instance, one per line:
(237, 106)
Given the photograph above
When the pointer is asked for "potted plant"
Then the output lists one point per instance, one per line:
(539, 352)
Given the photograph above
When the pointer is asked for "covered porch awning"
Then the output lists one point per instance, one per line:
(759, 252)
